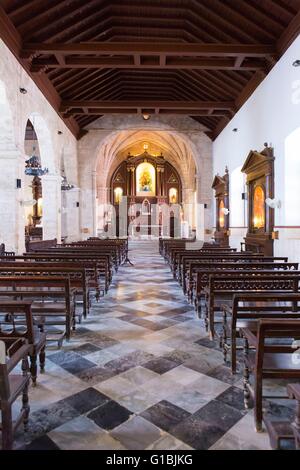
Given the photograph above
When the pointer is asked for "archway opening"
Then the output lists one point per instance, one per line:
(169, 145)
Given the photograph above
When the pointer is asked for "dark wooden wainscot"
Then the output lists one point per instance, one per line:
(259, 168)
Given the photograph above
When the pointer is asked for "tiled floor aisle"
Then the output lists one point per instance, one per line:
(140, 373)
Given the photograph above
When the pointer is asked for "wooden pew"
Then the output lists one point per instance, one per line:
(195, 288)
(270, 360)
(248, 308)
(39, 244)
(104, 264)
(13, 385)
(53, 300)
(223, 285)
(77, 276)
(190, 264)
(14, 313)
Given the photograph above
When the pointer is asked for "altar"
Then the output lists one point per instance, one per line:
(153, 190)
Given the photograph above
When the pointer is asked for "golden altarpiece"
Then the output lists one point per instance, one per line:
(149, 182)
(259, 169)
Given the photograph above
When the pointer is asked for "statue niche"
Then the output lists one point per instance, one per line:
(221, 188)
(259, 168)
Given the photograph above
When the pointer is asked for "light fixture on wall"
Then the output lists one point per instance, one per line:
(146, 116)
(65, 186)
(225, 210)
(273, 203)
(296, 63)
(59, 132)
(23, 90)
(235, 129)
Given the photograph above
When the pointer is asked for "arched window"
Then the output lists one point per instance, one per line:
(118, 192)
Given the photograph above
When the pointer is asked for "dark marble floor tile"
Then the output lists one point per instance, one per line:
(234, 397)
(62, 357)
(128, 361)
(165, 415)
(95, 375)
(177, 356)
(219, 414)
(224, 374)
(128, 318)
(199, 434)
(86, 400)
(206, 342)
(103, 341)
(44, 420)
(42, 443)
(78, 365)
(181, 318)
(149, 324)
(160, 365)
(86, 348)
(110, 415)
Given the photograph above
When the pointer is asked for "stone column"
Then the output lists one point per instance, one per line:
(12, 220)
(70, 214)
(51, 220)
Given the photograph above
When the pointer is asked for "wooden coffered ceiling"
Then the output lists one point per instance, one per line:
(201, 58)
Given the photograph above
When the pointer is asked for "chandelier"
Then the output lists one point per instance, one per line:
(65, 186)
(33, 166)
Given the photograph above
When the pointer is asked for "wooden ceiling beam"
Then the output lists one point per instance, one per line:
(12, 39)
(136, 61)
(133, 104)
(152, 48)
(101, 111)
(289, 35)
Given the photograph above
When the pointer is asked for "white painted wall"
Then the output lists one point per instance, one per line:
(271, 114)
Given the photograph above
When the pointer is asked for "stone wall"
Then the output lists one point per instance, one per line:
(15, 109)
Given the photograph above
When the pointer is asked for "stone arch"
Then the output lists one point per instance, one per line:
(51, 182)
(183, 143)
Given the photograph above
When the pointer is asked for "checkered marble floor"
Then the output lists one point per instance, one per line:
(140, 373)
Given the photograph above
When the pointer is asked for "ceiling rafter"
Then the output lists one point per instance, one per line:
(175, 58)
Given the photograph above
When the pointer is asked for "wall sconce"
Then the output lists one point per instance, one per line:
(23, 90)
(18, 183)
(77, 204)
(244, 196)
(28, 203)
(146, 116)
(273, 203)
(225, 210)
(205, 206)
(275, 235)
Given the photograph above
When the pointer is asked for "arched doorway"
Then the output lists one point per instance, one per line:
(33, 187)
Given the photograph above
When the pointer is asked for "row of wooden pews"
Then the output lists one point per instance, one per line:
(250, 305)
(44, 294)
